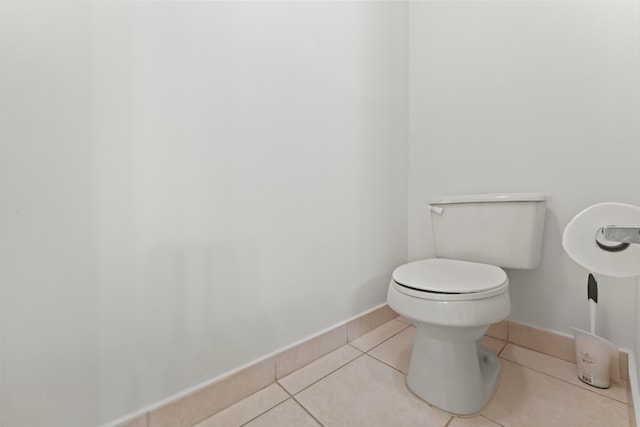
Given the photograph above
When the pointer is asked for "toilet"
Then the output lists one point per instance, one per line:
(455, 297)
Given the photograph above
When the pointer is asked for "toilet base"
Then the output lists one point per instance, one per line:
(458, 375)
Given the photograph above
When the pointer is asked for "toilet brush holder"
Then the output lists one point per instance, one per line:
(595, 358)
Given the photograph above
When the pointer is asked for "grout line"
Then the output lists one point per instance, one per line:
(385, 363)
(264, 412)
(387, 339)
(449, 422)
(291, 396)
(490, 419)
(259, 415)
(325, 376)
(352, 346)
(404, 321)
(307, 411)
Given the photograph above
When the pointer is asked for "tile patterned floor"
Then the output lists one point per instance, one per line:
(362, 384)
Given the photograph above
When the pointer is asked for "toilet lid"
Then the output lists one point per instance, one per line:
(449, 276)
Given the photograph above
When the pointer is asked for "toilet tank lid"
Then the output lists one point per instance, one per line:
(489, 198)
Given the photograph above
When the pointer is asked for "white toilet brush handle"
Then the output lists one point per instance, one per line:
(592, 317)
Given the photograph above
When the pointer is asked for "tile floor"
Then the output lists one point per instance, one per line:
(362, 384)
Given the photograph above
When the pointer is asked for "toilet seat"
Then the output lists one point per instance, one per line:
(446, 279)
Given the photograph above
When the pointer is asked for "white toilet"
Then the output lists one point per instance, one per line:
(454, 298)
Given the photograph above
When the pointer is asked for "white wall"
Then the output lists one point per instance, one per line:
(49, 340)
(530, 96)
(188, 186)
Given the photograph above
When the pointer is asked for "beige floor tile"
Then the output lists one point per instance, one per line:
(396, 351)
(248, 408)
(529, 398)
(287, 414)
(493, 344)
(477, 421)
(322, 367)
(364, 324)
(378, 335)
(368, 393)
(560, 369)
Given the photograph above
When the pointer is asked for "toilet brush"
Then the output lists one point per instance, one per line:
(592, 296)
(596, 358)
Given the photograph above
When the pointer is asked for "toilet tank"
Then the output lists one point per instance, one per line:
(501, 229)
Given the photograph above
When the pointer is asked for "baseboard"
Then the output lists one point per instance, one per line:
(189, 407)
(556, 344)
(192, 405)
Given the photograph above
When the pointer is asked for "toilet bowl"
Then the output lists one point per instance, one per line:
(449, 366)
(454, 297)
